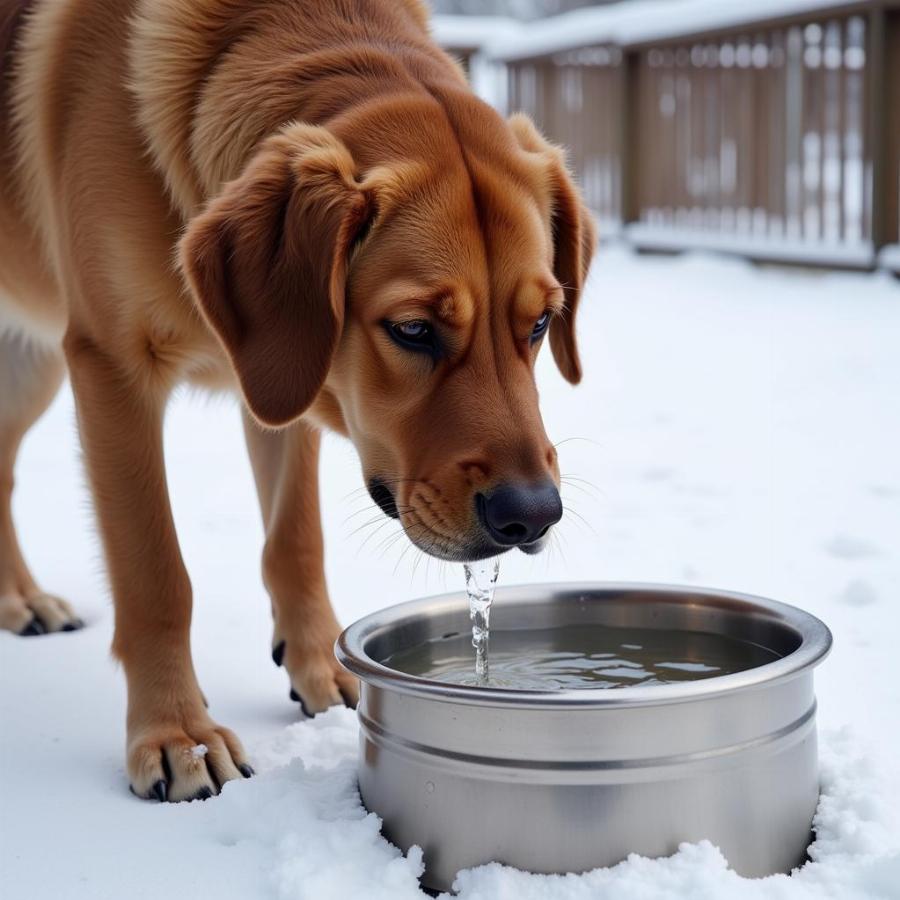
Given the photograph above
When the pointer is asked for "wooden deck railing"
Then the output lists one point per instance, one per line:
(775, 139)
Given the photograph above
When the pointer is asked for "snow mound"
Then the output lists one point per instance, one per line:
(305, 815)
(304, 818)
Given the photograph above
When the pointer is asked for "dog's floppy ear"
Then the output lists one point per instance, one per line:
(267, 264)
(574, 240)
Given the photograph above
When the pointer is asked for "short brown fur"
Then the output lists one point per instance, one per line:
(241, 195)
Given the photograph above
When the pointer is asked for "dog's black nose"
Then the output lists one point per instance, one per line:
(516, 514)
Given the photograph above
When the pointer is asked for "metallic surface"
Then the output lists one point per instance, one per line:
(567, 781)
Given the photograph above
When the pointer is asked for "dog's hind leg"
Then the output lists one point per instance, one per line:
(285, 466)
(30, 375)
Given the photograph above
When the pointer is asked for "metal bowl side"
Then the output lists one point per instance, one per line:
(568, 781)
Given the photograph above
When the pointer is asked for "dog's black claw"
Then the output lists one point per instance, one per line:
(348, 702)
(298, 699)
(246, 771)
(74, 625)
(160, 790)
(34, 627)
(278, 653)
(203, 794)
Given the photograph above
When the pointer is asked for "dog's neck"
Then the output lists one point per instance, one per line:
(223, 81)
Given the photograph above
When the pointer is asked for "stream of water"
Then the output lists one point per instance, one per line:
(481, 579)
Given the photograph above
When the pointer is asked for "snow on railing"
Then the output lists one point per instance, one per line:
(770, 129)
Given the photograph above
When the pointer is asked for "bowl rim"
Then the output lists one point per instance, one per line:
(815, 644)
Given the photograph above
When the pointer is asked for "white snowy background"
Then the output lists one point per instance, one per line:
(740, 428)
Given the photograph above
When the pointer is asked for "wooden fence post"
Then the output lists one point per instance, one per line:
(891, 108)
(876, 131)
(629, 137)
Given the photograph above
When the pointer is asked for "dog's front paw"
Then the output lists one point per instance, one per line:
(38, 613)
(185, 756)
(317, 679)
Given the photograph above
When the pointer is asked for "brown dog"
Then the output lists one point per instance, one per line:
(301, 198)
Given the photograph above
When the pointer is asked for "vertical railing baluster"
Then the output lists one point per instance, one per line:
(876, 114)
(713, 138)
(778, 157)
(726, 112)
(761, 155)
(892, 128)
(840, 101)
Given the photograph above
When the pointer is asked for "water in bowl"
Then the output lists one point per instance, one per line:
(582, 657)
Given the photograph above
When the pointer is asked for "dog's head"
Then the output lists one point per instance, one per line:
(403, 300)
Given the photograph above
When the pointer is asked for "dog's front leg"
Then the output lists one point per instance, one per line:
(285, 466)
(120, 421)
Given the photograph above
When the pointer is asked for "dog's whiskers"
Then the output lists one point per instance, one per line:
(577, 487)
(581, 518)
(369, 507)
(355, 493)
(556, 544)
(583, 483)
(576, 438)
(364, 490)
(416, 564)
(372, 534)
(386, 543)
(374, 520)
(406, 549)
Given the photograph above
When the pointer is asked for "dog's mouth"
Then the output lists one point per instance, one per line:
(435, 539)
(537, 546)
(466, 551)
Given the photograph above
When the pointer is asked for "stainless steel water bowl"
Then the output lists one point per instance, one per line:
(571, 780)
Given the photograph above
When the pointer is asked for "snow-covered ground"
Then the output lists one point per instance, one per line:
(742, 429)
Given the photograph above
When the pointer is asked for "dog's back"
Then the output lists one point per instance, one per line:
(89, 86)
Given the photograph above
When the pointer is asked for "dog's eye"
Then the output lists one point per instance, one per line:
(416, 330)
(541, 325)
(414, 334)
